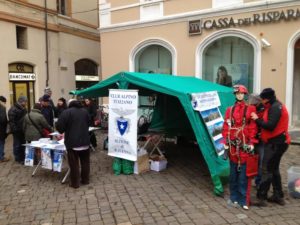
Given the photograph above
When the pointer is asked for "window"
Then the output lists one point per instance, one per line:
(224, 3)
(151, 10)
(86, 67)
(62, 7)
(229, 61)
(21, 35)
(154, 59)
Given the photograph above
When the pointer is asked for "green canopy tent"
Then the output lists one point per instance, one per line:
(173, 112)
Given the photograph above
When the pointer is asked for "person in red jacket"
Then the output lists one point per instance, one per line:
(274, 134)
(239, 132)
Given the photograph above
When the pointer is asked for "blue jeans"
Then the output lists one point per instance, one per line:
(259, 148)
(18, 148)
(238, 183)
(2, 143)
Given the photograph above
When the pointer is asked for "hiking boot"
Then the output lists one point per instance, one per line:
(4, 160)
(277, 200)
(260, 203)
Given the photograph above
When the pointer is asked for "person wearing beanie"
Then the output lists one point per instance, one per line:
(3, 128)
(16, 116)
(276, 139)
(74, 123)
(47, 109)
(238, 133)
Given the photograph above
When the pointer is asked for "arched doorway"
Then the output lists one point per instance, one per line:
(21, 82)
(152, 56)
(154, 59)
(236, 43)
(229, 55)
(86, 72)
(295, 118)
(86, 75)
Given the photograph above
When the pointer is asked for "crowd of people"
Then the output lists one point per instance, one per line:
(73, 120)
(255, 139)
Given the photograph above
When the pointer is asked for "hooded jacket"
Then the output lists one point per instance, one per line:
(15, 116)
(31, 132)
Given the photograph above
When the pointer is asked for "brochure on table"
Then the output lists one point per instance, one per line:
(207, 104)
(49, 161)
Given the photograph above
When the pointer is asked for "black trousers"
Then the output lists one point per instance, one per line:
(270, 170)
(75, 175)
(93, 139)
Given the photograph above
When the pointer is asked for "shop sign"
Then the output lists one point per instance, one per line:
(22, 76)
(86, 78)
(194, 27)
(256, 18)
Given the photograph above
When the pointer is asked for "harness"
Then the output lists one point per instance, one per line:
(238, 142)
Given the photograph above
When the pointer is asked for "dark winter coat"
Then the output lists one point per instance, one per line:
(3, 122)
(48, 114)
(74, 122)
(59, 110)
(31, 132)
(92, 110)
(15, 116)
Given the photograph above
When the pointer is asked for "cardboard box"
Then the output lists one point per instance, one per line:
(158, 165)
(142, 164)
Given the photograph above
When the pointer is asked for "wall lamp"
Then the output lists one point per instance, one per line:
(265, 43)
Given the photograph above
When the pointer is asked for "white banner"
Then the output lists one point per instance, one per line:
(205, 100)
(122, 125)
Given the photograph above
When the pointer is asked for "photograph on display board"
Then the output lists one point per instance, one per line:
(231, 74)
(219, 146)
(211, 115)
(215, 129)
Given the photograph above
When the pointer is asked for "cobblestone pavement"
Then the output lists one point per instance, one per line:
(181, 194)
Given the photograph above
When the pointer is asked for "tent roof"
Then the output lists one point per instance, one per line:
(158, 82)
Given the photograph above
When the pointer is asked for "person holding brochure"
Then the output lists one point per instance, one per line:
(239, 132)
(74, 122)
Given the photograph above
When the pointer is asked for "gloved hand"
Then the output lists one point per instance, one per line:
(225, 154)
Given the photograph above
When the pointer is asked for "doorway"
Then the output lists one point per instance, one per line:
(22, 88)
(296, 84)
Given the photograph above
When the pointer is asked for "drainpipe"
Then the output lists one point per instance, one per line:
(46, 42)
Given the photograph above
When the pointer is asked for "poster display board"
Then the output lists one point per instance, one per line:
(122, 124)
(207, 104)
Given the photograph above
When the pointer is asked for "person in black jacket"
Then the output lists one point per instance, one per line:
(60, 107)
(15, 116)
(274, 134)
(3, 127)
(74, 123)
(92, 110)
(47, 109)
